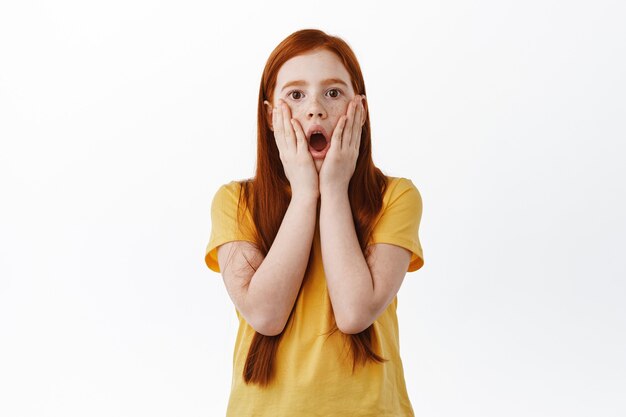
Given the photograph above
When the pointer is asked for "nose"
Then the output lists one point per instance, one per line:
(316, 108)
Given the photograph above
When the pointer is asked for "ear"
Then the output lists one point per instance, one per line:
(364, 114)
(268, 114)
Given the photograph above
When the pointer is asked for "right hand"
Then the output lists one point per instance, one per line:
(294, 152)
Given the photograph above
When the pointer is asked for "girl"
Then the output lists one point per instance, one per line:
(314, 248)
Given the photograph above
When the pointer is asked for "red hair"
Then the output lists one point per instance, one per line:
(267, 195)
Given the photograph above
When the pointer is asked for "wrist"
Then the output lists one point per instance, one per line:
(305, 197)
(335, 189)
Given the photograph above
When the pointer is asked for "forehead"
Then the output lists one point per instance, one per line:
(312, 67)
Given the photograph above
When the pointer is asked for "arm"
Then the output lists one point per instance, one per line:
(266, 297)
(360, 290)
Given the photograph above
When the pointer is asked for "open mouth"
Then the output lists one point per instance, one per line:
(318, 141)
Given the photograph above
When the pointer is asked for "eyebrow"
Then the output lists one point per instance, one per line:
(324, 82)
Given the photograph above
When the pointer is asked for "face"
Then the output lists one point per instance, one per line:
(317, 88)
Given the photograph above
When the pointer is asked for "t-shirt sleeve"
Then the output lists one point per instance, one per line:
(229, 222)
(399, 221)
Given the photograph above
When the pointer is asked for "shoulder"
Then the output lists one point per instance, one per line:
(230, 191)
(229, 202)
(400, 188)
(399, 219)
(232, 187)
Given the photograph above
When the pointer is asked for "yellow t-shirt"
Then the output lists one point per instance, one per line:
(313, 372)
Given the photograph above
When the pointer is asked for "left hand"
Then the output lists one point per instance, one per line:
(340, 161)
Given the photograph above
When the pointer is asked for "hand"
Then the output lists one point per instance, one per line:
(294, 152)
(340, 161)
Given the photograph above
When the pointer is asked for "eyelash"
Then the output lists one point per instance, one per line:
(298, 91)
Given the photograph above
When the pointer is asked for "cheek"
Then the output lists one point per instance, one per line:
(338, 109)
(298, 110)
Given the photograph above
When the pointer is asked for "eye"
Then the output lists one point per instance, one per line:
(334, 92)
(295, 94)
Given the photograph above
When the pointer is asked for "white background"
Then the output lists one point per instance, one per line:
(120, 119)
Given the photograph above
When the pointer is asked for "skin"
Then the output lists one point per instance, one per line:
(360, 289)
(334, 106)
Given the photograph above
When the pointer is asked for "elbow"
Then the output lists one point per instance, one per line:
(354, 325)
(267, 326)
(266, 321)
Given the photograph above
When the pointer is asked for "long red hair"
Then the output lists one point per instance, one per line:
(267, 195)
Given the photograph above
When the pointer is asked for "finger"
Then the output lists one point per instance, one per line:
(277, 121)
(301, 144)
(347, 132)
(268, 108)
(364, 110)
(362, 122)
(356, 123)
(357, 145)
(288, 133)
(335, 141)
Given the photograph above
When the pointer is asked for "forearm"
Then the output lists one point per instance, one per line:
(348, 277)
(274, 287)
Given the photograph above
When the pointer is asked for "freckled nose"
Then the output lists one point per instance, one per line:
(316, 109)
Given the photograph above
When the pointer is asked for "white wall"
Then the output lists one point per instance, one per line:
(119, 121)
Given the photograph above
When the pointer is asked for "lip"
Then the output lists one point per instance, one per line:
(315, 128)
(319, 154)
(314, 153)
